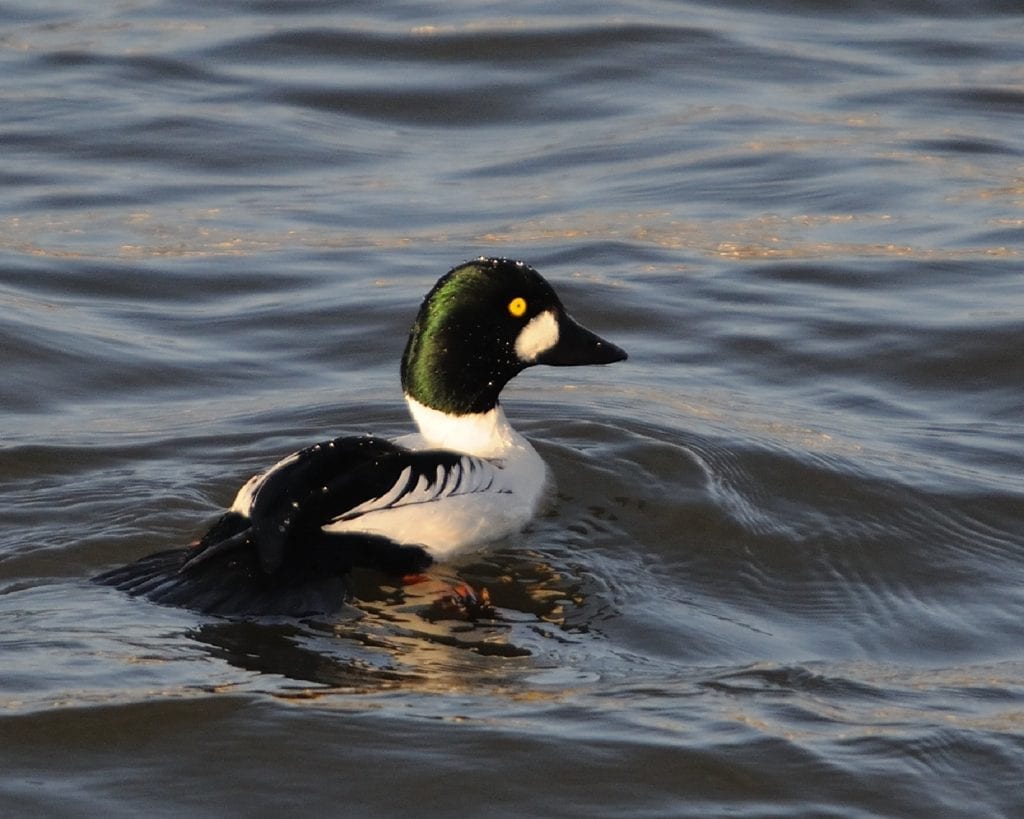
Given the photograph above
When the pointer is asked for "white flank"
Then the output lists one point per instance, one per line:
(483, 500)
(538, 336)
(493, 499)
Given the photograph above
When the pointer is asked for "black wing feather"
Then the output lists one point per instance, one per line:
(278, 560)
(326, 481)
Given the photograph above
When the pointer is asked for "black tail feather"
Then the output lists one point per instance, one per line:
(226, 578)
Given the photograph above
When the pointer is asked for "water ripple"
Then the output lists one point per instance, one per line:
(780, 572)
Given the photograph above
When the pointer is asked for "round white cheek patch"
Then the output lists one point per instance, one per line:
(538, 336)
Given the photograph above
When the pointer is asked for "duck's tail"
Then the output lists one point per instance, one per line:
(229, 579)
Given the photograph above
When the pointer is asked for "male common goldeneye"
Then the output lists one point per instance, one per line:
(294, 531)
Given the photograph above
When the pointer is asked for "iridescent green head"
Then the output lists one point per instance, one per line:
(482, 324)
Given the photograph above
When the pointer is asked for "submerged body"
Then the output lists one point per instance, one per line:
(295, 530)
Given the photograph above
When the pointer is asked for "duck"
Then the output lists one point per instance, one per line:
(295, 531)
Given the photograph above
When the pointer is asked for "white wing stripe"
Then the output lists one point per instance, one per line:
(422, 488)
(393, 494)
(465, 477)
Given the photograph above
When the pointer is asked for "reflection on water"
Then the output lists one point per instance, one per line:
(805, 236)
(402, 638)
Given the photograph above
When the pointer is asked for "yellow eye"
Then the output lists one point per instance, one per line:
(517, 306)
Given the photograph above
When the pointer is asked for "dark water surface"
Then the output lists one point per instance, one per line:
(783, 573)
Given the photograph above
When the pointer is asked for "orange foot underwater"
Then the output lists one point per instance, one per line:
(462, 602)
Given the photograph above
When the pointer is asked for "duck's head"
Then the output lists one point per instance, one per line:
(482, 324)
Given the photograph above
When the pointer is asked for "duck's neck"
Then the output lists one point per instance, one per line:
(484, 434)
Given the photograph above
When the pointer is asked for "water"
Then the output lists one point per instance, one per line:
(783, 574)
